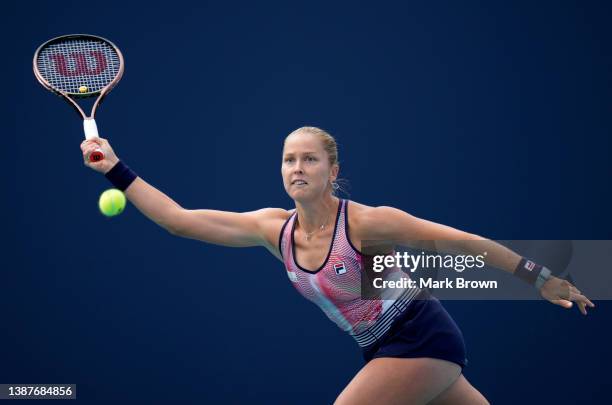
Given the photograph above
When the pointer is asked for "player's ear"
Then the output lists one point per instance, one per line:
(335, 169)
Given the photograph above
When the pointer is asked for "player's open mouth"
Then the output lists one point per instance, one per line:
(298, 183)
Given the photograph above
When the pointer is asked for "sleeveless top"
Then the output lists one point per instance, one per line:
(336, 286)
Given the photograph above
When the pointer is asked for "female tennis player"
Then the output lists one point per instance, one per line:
(414, 351)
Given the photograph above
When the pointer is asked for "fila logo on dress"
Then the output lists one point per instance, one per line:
(340, 268)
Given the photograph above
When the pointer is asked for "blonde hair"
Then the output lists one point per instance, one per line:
(329, 144)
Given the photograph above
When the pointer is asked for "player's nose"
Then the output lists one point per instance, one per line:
(298, 167)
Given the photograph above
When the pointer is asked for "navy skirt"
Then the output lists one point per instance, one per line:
(424, 329)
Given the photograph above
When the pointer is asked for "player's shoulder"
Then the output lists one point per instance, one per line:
(361, 212)
(363, 218)
(273, 213)
(270, 222)
(271, 219)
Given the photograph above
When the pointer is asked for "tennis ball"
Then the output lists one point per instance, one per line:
(83, 89)
(112, 202)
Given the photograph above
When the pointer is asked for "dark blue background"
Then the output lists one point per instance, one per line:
(493, 117)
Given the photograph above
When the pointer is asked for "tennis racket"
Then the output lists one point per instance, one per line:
(76, 67)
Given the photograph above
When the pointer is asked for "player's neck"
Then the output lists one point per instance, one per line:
(312, 216)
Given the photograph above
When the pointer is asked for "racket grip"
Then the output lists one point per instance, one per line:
(91, 131)
(90, 127)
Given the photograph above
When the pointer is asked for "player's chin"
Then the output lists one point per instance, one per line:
(300, 194)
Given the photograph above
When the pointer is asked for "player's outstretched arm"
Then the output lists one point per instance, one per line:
(391, 224)
(256, 228)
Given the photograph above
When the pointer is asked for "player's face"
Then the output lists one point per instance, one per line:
(306, 171)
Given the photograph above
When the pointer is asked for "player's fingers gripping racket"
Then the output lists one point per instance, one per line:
(76, 67)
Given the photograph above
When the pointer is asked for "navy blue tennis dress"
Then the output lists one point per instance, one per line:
(408, 323)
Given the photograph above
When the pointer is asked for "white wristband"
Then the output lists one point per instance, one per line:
(543, 277)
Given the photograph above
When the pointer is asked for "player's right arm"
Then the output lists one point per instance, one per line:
(256, 228)
(236, 229)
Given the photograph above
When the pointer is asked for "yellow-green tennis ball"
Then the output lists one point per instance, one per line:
(112, 202)
(83, 89)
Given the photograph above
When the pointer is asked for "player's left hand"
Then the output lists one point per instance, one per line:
(562, 293)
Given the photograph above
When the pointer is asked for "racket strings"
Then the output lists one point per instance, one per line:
(71, 64)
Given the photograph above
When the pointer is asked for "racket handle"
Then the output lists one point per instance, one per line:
(91, 131)
(96, 156)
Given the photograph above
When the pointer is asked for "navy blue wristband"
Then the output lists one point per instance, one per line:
(121, 176)
(528, 271)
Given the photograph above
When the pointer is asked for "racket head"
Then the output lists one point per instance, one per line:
(78, 65)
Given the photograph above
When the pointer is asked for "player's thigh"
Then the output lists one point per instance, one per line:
(386, 381)
(461, 392)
